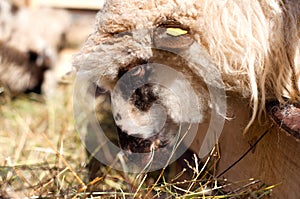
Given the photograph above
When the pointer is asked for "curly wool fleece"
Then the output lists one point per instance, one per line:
(254, 44)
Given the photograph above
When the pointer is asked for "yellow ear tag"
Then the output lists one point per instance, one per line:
(176, 32)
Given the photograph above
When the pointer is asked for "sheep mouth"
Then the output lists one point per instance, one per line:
(135, 144)
(158, 140)
(156, 150)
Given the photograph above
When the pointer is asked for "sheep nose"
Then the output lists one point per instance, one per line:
(133, 84)
(144, 97)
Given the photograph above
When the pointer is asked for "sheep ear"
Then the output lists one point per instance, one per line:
(286, 116)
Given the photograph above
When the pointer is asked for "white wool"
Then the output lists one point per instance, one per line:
(254, 44)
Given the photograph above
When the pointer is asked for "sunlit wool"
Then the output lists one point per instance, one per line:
(254, 44)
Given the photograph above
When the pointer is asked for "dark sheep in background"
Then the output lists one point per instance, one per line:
(29, 44)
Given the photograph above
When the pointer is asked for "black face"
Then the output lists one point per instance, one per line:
(143, 98)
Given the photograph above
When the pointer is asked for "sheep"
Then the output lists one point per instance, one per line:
(246, 51)
(19, 71)
(28, 47)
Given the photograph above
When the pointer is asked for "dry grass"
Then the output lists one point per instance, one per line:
(41, 156)
(39, 145)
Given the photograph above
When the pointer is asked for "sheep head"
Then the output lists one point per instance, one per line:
(167, 64)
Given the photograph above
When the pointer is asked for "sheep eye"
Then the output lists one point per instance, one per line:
(171, 38)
